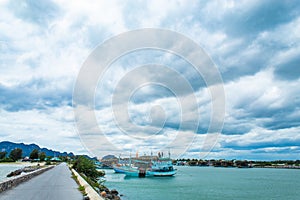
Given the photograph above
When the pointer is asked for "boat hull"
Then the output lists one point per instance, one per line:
(123, 169)
(170, 173)
(137, 173)
(119, 170)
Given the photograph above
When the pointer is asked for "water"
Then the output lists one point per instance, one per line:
(210, 183)
(7, 168)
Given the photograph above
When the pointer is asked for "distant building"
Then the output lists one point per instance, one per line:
(55, 159)
(26, 159)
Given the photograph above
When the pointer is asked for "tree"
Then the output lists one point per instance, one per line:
(42, 156)
(34, 154)
(87, 167)
(63, 158)
(2, 154)
(16, 154)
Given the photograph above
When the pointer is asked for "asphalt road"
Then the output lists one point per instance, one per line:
(54, 184)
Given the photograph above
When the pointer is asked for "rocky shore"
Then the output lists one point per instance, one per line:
(110, 194)
(23, 170)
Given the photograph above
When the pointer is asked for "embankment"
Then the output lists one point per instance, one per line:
(91, 193)
(12, 182)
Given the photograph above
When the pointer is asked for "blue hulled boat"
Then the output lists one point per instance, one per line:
(161, 167)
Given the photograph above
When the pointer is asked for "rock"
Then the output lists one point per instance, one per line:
(102, 188)
(109, 196)
(107, 190)
(15, 173)
(114, 191)
(103, 194)
(31, 168)
(117, 198)
(86, 198)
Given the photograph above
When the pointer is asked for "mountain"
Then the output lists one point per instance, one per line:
(107, 157)
(27, 148)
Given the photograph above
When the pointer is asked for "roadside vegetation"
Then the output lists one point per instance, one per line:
(87, 169)
(80, 187)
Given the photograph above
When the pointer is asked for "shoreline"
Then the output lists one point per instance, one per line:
(230, 167)
(22, 163)
(9, 167)
(278, 167)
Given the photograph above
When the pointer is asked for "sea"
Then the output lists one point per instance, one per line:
(210, 183)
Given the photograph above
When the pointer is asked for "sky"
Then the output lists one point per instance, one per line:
(255, 46)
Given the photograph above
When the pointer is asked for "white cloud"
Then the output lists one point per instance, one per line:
(260, 137)
(54, 52)
(52, 129)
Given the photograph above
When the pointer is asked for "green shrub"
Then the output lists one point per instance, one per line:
(81, 189)
(48, 162)
(87, 167)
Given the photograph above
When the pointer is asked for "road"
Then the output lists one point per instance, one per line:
(54, 184)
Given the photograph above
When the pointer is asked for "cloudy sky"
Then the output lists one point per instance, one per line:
(255, 45)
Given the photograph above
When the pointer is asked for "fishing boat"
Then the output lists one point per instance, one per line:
(161, 167)
(122, 168)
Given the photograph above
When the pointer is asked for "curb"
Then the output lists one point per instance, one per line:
(91, 193)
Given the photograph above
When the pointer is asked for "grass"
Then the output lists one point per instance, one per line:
(80, 188)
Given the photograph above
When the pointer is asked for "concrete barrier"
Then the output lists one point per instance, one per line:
(91, 193)
(12, 182)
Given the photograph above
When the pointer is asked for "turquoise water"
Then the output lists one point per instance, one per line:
(211, 183)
